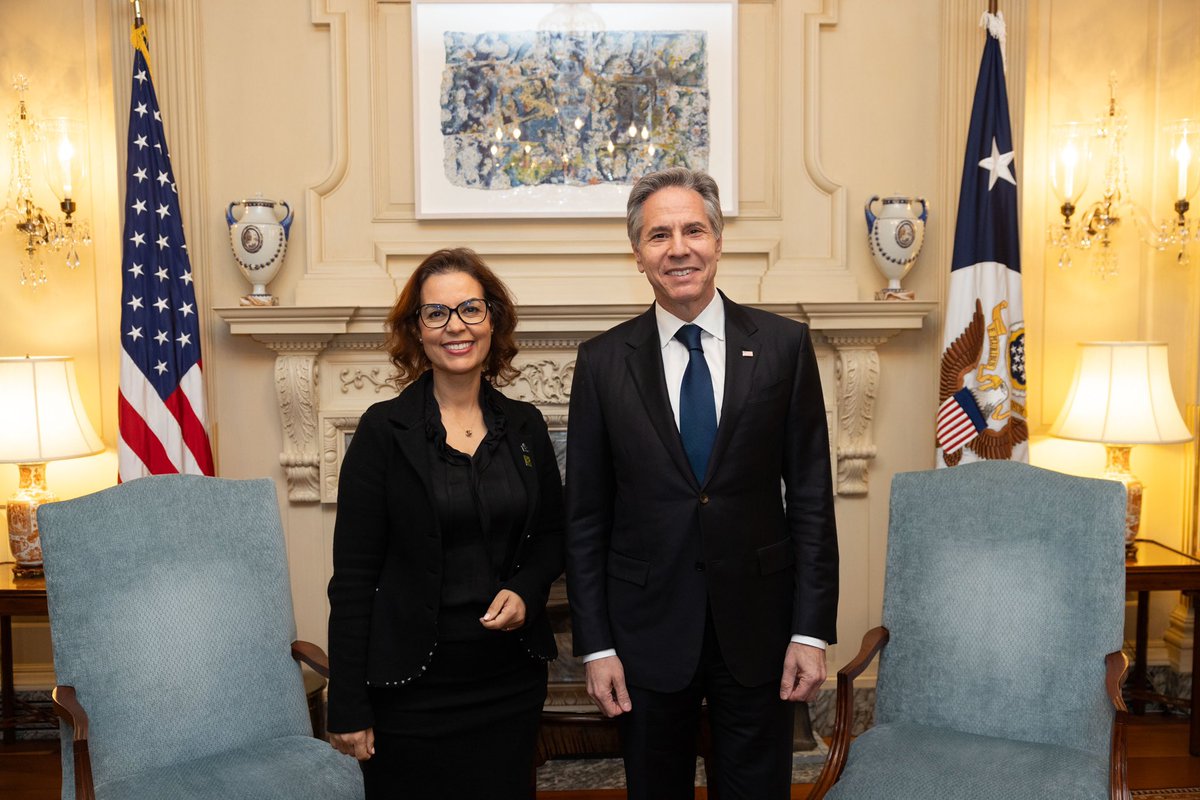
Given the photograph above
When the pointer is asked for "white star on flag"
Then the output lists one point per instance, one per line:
(141, 109)
(140, 76)
(140, 142)
(161, 304)
(140, 174)
(163, 242)
(138, 239)
(161, 337)
(184, 339)
(186, 309)
(162, 211)
(186, 277)
(161, 274)
(163, 178)
(997, 166)
(135, 303)
(136, 270)
(160, 367)
(135, 333)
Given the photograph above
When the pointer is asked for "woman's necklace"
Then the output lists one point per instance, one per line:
(468, 428)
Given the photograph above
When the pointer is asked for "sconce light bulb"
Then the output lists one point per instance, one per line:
(578, 123)
(527, 149)
(499, 133)
(495, 150)
(645, 132)
(632, 130)
(651, 148)
(1183, 156)
(516, 133)
(611, 146)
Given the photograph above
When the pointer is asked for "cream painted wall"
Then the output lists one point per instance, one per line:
(62, 47)
(868, 97)
(1154, 49)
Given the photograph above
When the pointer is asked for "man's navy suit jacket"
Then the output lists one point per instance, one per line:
(650, 547)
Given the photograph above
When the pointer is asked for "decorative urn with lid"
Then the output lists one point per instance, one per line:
(895, 237)
(259, 240)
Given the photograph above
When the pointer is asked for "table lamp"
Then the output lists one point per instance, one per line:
(41, 419)
(1122, 396)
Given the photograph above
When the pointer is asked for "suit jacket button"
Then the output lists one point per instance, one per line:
(703, 499)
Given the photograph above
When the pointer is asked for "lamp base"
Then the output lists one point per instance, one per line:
(1117, 469)
(23, 537)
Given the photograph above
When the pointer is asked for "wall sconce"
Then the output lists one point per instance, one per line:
(1182, 147)
(1098, 223)
(62, 144)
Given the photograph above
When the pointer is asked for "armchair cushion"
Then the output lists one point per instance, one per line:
(904, 761)
(1005, 591)
(274, 769)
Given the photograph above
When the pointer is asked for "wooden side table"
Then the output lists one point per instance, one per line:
(19, 597)
(1156, 567)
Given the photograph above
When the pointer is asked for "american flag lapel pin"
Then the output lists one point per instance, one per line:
(747, 354)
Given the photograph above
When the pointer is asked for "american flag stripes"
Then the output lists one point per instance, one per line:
(161, 403)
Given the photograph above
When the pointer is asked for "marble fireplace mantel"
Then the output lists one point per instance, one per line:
(342, 343)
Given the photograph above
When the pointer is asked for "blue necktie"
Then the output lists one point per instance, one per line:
(697, 408)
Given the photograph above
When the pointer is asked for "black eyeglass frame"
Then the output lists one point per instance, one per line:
(487, 309)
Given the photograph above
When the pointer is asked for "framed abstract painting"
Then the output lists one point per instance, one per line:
(526, 109)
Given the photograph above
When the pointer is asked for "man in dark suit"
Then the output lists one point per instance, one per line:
(691, 576)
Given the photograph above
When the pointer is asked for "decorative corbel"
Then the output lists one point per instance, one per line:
(857, 371)
(297, 375)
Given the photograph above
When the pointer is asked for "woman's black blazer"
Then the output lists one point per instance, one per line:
(387, 550)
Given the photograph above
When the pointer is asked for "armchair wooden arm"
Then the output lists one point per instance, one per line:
(69, 710)
(873, 641)
(314, 656)
(1117, 663)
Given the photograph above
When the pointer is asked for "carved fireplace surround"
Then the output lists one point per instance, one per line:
(329, 368)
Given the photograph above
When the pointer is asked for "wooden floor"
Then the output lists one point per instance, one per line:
(1158, 759)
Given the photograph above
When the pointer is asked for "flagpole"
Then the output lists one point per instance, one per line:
(993, 6)
(139, 22)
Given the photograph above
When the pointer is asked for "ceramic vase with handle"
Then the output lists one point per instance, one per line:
(259, 241)
(895, 237)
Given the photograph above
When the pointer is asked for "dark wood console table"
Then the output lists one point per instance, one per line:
(19, 597)
(1157, 567)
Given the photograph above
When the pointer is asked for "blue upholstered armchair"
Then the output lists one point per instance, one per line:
(171, 618)
(1003, 613)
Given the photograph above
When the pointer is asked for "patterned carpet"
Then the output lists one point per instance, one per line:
(1192, 793)
(608, 773)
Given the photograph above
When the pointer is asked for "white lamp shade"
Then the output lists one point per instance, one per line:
(1122, 395)
(41, 416)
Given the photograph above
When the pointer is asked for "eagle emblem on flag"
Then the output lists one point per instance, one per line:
(962, 418)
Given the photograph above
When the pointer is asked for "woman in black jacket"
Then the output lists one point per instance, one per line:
(449, 533)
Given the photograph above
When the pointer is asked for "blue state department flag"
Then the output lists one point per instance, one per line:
(160, 409)
(981, 412)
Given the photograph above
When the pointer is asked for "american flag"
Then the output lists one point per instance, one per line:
(161, 403)
(981, 399)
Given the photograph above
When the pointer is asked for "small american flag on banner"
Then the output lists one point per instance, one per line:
(161, 404)
(958, 421)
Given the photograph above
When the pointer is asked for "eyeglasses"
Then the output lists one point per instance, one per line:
(436, 315)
